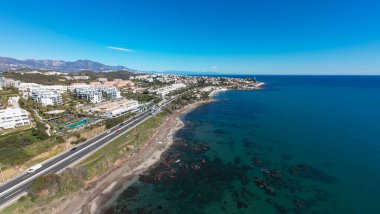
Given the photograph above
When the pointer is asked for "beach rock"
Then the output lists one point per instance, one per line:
(262, 184)
(130, 192)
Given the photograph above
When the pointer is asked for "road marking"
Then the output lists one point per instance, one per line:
(14, 193)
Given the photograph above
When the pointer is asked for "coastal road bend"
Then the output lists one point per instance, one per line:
(14, 188)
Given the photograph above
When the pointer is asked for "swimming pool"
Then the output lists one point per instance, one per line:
(78, 124)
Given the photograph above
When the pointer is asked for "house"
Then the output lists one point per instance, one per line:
(13, 117)
(47, 97)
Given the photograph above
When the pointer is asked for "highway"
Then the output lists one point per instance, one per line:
(13, 188)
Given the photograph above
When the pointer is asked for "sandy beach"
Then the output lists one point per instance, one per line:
(124, 173)
(215, 92)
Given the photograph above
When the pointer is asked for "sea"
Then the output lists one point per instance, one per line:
(301, 144)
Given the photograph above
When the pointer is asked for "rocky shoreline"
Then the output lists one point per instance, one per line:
(108, 186)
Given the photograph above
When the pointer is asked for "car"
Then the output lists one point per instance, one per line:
(109, 131)
(73, 149)
(34, 168)
(117, 130)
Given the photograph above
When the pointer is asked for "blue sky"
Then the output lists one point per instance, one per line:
(258, 37)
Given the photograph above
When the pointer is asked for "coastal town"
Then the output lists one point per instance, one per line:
(80, 100)
(47, 113)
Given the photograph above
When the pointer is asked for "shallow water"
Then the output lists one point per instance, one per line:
(304, 144)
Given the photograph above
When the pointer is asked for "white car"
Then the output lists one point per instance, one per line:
(34, 168)
(109, 131)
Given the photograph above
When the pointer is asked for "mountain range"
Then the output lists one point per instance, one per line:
(7, 63)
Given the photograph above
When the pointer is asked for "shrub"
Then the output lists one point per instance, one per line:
(46, 185)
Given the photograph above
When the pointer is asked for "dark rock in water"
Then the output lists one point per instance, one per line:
(112, 210)
(241, 204)
(248, 144)
(300, 203)
(294, 186)
(220, 132)
(281, 209)
(261, 163)
(200, 147)
(160, 173)
(141, 210)
(130, 192)
(274, 177)
(271, 173)
(261, 183)
(257, 162)
(309, 172)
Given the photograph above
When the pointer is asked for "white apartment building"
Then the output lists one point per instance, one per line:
(47, 97)
(13, 117)
(81, 77)
(166, 90)
(29, 87)
(102, 79)
(79, 86)
(8, 82)
(89, 93)
(111, 92)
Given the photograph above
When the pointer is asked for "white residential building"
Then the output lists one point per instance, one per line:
(111, 92)
(47, 97)
(79, 86)
(89, 93)
(58, 88)
(166, 90)
(13, 117)
(102, 79)
(81, 77)
(29, 87)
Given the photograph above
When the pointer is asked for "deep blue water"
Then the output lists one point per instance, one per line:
(313, 140)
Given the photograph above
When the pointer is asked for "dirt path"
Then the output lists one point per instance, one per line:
(47, 126)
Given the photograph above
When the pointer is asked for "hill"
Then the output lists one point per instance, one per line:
(7, 63)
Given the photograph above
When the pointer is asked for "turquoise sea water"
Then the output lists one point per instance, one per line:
(313, 140)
